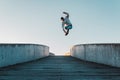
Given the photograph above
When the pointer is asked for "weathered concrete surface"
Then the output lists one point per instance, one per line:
(59, 68)
(51, 54)
(100, 53)
(17, 53)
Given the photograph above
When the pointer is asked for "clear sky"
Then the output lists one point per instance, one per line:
(38, 21)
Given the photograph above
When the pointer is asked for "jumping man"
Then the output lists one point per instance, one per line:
(66, 24)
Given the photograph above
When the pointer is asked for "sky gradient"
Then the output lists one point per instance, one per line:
(38, 21)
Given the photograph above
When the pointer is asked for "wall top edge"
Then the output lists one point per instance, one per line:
(116, 44)
(20, 44)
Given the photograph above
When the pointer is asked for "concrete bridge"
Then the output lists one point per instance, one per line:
(34, 63)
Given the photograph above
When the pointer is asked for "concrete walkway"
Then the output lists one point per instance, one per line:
(59, 68)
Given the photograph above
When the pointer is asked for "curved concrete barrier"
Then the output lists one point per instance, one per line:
(18, 53)
(100, 53)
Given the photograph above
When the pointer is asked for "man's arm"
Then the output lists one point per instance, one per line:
(66, 14)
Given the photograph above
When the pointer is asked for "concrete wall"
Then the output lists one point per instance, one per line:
(18, 53)
(100, 53)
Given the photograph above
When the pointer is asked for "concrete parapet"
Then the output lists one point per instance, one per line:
(18, 53)
(108, 54)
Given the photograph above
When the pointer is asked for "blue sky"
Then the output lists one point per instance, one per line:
(38, 21)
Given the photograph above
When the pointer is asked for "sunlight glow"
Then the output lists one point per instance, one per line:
(67, 54)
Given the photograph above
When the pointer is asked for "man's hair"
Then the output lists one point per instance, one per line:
(62, 18)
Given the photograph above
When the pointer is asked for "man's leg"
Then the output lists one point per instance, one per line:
(64, 31)
(68, 28)
(67, 32)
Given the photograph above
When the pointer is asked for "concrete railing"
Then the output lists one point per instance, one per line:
(108, 54)
(18, 53)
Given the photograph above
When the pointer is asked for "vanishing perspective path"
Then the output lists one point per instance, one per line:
(59, 68)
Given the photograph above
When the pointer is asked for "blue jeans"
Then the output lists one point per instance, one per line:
(68, 27)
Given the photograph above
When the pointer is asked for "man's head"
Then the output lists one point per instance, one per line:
(62, 19)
